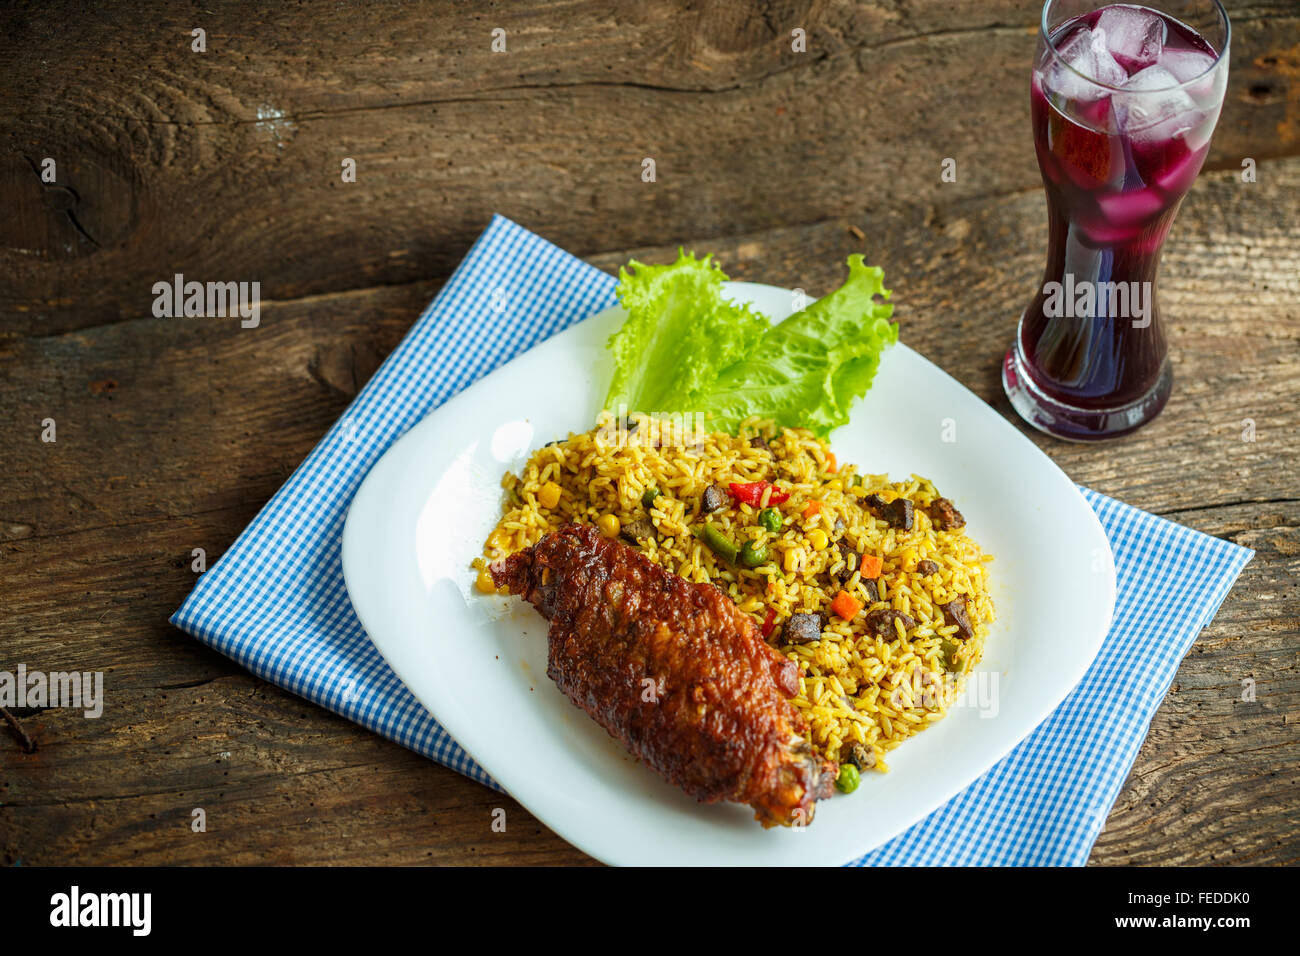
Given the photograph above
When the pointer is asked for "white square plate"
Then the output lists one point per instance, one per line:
(479, 663)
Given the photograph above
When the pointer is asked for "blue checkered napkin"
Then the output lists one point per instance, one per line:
(1046, 801)
(276, 601)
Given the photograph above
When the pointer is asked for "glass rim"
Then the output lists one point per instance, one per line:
(1219, 55)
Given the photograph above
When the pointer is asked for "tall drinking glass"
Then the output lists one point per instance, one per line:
(1124, 100)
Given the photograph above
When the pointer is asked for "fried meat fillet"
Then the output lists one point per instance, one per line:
(674, 670)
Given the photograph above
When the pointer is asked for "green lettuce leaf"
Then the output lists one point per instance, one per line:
(807, 371)
(679, 333)
(685, 348)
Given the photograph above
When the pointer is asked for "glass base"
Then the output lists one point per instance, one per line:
(1071, 422)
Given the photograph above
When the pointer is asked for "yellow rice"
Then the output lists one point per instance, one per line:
(856, 686)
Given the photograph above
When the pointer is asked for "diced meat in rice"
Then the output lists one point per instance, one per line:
(881, 622)
(899, 513)
(714, 498)
(803, 628)
(945, 516)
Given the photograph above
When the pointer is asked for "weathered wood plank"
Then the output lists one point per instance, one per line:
(225, 165)
(172, 433)
(249, 403)
(1217, 777)
(262, 763)
(278, 781)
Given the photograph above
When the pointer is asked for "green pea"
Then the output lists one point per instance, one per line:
(848, 779)
(649, 495)
(753, 554)
(770, 519)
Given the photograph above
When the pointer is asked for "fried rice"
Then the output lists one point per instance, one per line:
(872, 678)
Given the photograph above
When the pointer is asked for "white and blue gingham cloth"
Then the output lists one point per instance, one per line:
(276, 601)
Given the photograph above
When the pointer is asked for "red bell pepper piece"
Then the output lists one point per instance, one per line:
(769, 621)
(752, 493)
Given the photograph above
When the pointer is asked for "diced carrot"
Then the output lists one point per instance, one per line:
(869, 566)
(832, 465)
(846, 605)
(812, 508)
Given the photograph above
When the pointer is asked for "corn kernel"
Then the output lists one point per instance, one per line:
(792, 561)
(549, 495)
(817, 538)
(609, 525)
(485, 583)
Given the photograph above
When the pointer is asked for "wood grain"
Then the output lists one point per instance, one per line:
(226, 164)
(173, 432)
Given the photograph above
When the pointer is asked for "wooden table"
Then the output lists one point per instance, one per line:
(227, 165)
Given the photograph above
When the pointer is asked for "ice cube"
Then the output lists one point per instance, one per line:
(1186, 64)
(1130, 208)
(1152, 78)
(1083, 57)
(1105, 68)
(1152, 106)
(1134, 36)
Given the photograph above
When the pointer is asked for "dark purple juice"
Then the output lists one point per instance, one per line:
(1120, 138)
